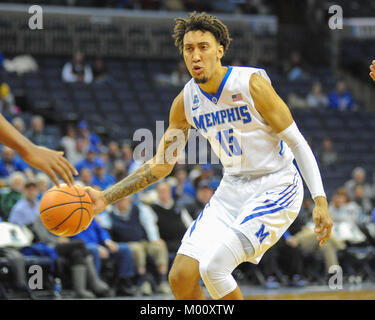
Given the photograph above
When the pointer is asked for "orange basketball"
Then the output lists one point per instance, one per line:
(66, 211)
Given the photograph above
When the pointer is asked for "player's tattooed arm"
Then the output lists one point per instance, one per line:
(161, 165)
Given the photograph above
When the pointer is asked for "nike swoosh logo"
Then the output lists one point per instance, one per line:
(195, 108)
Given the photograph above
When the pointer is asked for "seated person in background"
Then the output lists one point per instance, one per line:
(77, 70)
(358, 178)
(341, 98)
(7, 102)
(26, 212)
(171, 220)
(203, 196)
(303, 236)
(9, 198)
(101, 178)
(184, 190)
(37, 133)
(19, 124)
(327, 155)
(9, 163)
(85, 177)
(316, 97)
(101, 246)
(43, 182)
(136, 226)
(99, 71)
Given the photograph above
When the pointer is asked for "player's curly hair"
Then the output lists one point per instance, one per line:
(204, 22)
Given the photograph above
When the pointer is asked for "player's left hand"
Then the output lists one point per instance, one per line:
(322, 219)
(372, 69)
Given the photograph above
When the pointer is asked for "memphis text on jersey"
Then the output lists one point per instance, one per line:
(210, 119)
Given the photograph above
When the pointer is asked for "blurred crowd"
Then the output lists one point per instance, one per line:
(128, 248)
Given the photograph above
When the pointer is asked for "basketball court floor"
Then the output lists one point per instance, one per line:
(363, 291)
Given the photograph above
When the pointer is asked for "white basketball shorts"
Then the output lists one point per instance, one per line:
(261, 208)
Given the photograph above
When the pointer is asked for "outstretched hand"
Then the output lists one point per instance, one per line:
(52, 163)
(97, 198)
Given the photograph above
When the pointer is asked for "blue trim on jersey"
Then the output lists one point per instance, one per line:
(199, 217)
(261, 213)
(215, 98)
(291, 195)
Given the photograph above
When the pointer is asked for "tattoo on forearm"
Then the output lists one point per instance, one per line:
(175, 140)
(137, 181)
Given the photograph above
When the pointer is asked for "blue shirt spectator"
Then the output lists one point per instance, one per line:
(341, 99)
(26, 210)
(84, 132)
(88, 162)
(101, 178)
(10, 163)
(93, 234)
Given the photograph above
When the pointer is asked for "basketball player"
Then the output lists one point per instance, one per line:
(252, 131)
(49, 161)
(372, 69)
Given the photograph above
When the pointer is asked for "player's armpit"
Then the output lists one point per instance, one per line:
(171, 145)
(268, 103)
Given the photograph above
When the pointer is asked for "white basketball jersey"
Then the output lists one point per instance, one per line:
(238, 134)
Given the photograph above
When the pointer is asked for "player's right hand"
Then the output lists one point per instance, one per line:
(51, 162)
(97, 198)
(372, 69)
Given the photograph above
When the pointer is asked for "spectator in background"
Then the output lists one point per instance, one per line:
(358, 178)
(184, 191)
(11, 196)
(99, 71)
(81, 148)
(208, 175)
(137, 227)
(203, 196)
(68, 142)
(37, 135)
(362, 200)
(172, 221)
(9, 163)
(101, 178)
(85, 177)
(346, 215)
(316, 97)
(77, 70)
(119, 170)
(101, 246)
(305, 238)
(327, 155)
(93, 138)
(7, 102)
(26, 210)
(19, 124)
(88, 161)
(128, 157)
(294, 68)
(113, 154)
(341, 98)
(43, 183)
(180, 76)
